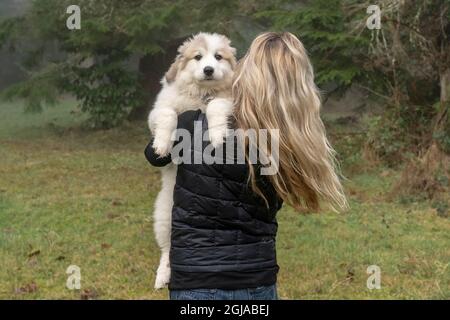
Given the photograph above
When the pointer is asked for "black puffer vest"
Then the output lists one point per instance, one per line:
(223, 235)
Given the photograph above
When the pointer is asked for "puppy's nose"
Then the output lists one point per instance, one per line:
(208, 71)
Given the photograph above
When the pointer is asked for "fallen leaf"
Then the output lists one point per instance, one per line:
(34, 253)
(106, 246)
(385, 173)
(89, 294)
(28, 288)
(350, 275)
(111, 215)
(116, 203)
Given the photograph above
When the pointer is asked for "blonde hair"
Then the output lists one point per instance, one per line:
(274, 88)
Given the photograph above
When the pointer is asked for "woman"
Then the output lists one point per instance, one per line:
(223, 221)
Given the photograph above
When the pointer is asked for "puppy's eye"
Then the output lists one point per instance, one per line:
(218, 56)
(198, 57)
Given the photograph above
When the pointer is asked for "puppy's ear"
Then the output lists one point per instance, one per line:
(177, 64)
(230, 55)
(233, 50)
(232, 59)
(171, 74)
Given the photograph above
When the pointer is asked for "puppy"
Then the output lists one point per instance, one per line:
(199, 78)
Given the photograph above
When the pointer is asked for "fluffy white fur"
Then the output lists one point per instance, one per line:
(186, 87)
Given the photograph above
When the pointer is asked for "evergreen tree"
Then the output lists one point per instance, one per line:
(95, 64)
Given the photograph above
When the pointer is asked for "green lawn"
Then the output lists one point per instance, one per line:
(73, 196)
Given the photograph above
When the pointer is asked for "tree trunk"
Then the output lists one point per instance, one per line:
(151, 70)
(442, 117)
(445, 86)
(149, 77)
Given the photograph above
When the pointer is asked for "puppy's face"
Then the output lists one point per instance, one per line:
(206, 59)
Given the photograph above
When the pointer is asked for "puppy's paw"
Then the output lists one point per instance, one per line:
(162, 276)
(162, 148)
(217, 135)
(162, 119)
(218, 112)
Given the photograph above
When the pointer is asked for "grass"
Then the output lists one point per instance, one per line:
(74, 196)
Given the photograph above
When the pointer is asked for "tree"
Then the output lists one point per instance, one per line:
(414, 53)
(338, 53)
(96, 63)
(91, 62)
(406, 62)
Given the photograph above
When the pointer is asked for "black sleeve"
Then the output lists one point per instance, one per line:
(185, 121)
(154, 159)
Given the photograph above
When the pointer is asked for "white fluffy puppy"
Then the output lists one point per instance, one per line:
(199, 78)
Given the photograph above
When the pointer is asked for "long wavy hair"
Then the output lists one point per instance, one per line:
(274, 88)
